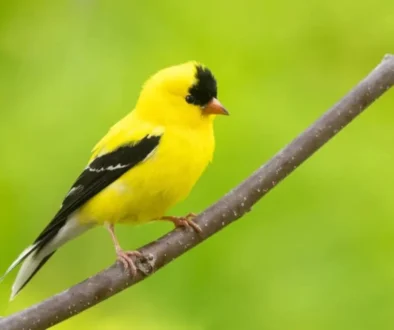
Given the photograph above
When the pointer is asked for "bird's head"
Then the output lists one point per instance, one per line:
(185, 95)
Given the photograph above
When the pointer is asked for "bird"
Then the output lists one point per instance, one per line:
(145, 164)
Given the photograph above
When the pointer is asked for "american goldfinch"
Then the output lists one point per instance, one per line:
(145, 164)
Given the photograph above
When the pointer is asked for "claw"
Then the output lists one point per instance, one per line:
(186, 221)
(125, 258)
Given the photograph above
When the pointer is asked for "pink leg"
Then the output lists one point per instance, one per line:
(186, 221)
(124, 256)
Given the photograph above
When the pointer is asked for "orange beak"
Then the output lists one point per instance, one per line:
(214, 107)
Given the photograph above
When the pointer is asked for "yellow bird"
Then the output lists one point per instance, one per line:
(147, 162)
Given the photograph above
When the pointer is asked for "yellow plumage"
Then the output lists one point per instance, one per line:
(147, 162)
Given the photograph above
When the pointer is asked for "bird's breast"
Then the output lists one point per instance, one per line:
(169, 174)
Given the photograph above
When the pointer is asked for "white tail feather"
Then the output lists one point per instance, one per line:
(21, 257)
(27, 269)
(32, 260)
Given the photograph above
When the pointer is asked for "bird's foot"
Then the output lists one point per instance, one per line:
(186, 221)
(125, 257)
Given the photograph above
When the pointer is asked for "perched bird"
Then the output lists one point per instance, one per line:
(147, 162)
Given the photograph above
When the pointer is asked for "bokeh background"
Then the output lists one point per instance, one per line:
(317, 253)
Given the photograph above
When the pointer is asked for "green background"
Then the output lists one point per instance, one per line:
(317, 253)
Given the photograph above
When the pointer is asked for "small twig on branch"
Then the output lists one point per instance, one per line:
(231, 207)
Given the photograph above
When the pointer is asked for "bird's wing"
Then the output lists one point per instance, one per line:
(101, 172)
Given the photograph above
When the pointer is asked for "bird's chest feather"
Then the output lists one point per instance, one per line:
(169, 174)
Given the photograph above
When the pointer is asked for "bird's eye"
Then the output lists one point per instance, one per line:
(190, 99)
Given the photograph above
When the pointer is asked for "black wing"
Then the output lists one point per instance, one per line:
(97, 175)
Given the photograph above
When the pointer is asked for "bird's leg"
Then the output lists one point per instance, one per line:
(124, 256)
(186, 221)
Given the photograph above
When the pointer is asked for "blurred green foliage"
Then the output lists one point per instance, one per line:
(317, 253)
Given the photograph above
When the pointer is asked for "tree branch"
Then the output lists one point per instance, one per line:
(230, 208)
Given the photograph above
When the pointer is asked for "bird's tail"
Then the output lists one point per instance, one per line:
(36, 255)
(32, 262)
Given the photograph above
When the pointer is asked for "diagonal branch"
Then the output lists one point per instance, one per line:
(230, 208)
